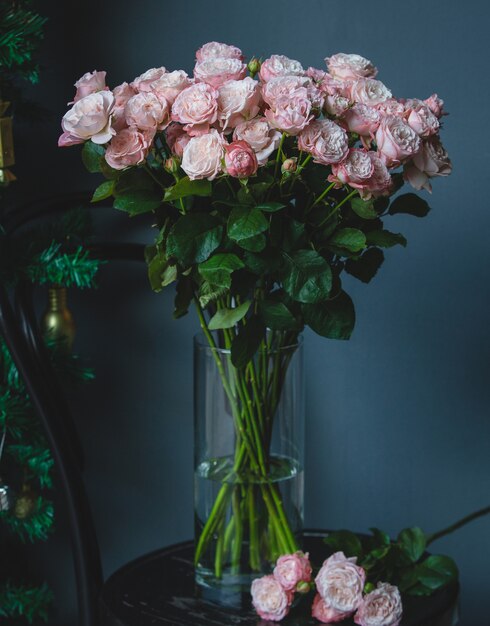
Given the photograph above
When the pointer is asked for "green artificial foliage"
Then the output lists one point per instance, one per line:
(17, 601)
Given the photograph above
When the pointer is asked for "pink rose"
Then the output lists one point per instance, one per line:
(91, 82)
(170, 84)
(340, 583)
(202, 156)
(284, 86)
(290, 114)
(292, 569)
(122, 93)
(279, 65)
(145, 80)
(380, 183)
(436, 105)
(369, 91)
(196, 107)
(324, 613)
(260, 136)
(363, 120)
(89, 118)
(356, 170)
(269, 599)
(350, 66)
(396, 141)
(391, 107)
(240, 159)
(214, 49)
(147, 112)
(432, 160)
(238, 100)
(215, 71)
(325, 140)
(381, 607)
(419, 117)
(129, 147)
(177, 139)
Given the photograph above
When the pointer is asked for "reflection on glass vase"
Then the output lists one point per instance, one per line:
(249, 439)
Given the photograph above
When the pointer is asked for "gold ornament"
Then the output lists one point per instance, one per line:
(57, 320)
(25, 503)
(7, 157)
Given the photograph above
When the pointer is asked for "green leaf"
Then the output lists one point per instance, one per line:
(352, 239)
(412, 542)
(253, 244)
(364, 208)
(208, 293)
(437, 571)
(103, 191)
(385, 239)
(334, 318)
(227, 318)
(271, 207)
(160, 272)
(344, 541)
(135, 179)
(277, 316)
(186, 187)
(246, 342)
(380, 538)
(92, 154)
(244, 223)
(411, 204)
(108, 171)
(138, 201)
(269, 260)
(307, 276)
(217, 270)
(194, 237)
(183, 297)
(365, 267)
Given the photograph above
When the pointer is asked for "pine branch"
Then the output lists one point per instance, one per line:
(37, 461)
(53, 267)
(25, 601)
(37, 526)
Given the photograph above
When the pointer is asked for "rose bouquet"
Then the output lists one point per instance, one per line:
(267, 182)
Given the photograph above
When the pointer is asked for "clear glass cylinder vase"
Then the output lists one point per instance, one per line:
(249, 453)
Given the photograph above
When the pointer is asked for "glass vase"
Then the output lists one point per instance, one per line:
(249, 440)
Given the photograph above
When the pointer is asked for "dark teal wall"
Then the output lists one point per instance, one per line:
(398, 428)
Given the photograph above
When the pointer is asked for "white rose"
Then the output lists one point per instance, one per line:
(215, 49)
(196, 107)
(369, 91)
(350, 66)
(381, 607)
(238, 100)
(203, 155)
(280, 65)
(340, 583)
(90, 118)
(269, 599)
(216, 71)
(170, 84)
(260, 136)
(144, 81)
(147, 112)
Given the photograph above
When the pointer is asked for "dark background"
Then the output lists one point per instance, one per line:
(398, 431)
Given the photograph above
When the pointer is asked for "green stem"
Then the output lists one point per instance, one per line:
(237, 541)
(457, 525)
(254, 534)
(278, 156)
(321, 196)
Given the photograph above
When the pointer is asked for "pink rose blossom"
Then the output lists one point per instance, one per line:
(325, 140)
(381, 607)
(356, 170)
(122, 93)
(89, 118)
(145, 80)
(147, 112)
(436, 105)
(290, 114)
(316, 74)
(363, 120)
(202, 156)
(432, 160)
(284, 86)
(129, 147)
(369, 91)
(324, 613)
(336, 105)
(216, 71)
(240, 159)
(340, 583)
(391, 107)
(177, 138)
(238, 100)
(419, 117)
(91, 82)
(396, 141)
(196, 107)
(260, 136)
(170, 84)
(350, 66)
(269, 599)
(214, 49)
(279, 65)
(380, 183)
(292, 569)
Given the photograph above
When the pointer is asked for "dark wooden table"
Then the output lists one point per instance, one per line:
(159, 589)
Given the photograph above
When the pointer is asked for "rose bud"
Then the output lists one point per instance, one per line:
(172, 165)
(240, 159)
(289, 166)
(253, 66)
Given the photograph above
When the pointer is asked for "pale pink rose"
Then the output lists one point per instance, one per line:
(177, 138)
(290, 114)
(202, 156)
(269, 599)
(214, 49)
(326, 614)
(381, 607)
(91, 82)
(356, 170)
(284, 86)
(196, 107)
(147, 112)
(432, 160)
(129, 147)
(336, 105)
(238, 100)
(340, 583)
(332, 86)
(350, 66)
(289, 165)
(292, 569)
(170, 84)
(260, 136)
(145, 80)
(316, 74)
(325, 140)
(65, 140)
(362, 119)
(89, 118)
(396, 141)
(419, 117)
(279, 65)
(369, 91)
(380, 183)
(240, 159)
(216, 71)
(391, 107)
(122, 93)
(436, 105)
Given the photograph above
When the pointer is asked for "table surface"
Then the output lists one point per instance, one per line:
(159, 588)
